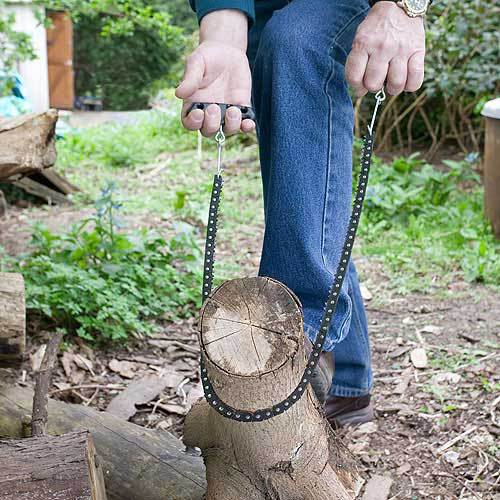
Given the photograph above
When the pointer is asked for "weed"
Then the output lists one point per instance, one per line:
(424, 221)
(105, 284)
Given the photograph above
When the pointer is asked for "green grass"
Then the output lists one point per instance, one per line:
(426, 223)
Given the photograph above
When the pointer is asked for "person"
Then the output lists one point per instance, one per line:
(293, 61)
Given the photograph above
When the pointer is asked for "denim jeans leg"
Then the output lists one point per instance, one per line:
(353, 371)
(305, 123)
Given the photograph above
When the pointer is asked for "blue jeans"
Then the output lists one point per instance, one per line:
(297, 52)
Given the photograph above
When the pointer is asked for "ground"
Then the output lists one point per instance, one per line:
(435, 352)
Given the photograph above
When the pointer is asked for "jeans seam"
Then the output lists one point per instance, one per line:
(330, 129)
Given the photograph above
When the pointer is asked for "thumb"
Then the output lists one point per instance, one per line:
(193, 76)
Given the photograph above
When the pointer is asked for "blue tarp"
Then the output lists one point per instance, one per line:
(17, 102)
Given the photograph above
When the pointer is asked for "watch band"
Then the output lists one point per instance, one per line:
(373, 2)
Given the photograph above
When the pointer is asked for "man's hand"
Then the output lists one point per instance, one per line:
(218, 71)
(389, 47)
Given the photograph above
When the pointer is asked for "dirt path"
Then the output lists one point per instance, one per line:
(436, 433)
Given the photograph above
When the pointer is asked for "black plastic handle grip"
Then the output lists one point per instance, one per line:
(247, 113)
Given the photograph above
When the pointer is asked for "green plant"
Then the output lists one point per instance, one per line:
(461, 73)
(121, 67)
(15, 46)
(105, 284)
(422, 220)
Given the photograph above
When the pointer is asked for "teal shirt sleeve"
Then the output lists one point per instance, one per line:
(203, 7)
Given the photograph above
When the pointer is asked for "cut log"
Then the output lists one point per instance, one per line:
(12, 320)
(252, 336)
(50, 467)
(3, 205)
(41, 191)
(27, 143)
(138, 463)
(59, 182)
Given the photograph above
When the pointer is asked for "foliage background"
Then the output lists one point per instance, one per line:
(462, 73)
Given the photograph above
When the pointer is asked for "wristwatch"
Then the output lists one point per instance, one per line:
(414, 8)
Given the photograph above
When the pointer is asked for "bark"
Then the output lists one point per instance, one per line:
(27, 144)
(3, 205)
(491, 168)
(138, 463)
(43, 468)
(252, 336)
(12, 320)
(43, 382)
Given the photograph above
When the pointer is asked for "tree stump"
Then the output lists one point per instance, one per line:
(12, 320)
(252, 337)
(49, 467)
(27, 144)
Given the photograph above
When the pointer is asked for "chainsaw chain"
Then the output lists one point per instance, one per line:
(331, 304)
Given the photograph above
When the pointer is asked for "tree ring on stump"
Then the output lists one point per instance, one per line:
(251, 326)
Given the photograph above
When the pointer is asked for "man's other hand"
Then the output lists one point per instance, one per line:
(218, 71)
(389, 47)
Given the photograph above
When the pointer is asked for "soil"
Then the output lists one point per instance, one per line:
(436, 430)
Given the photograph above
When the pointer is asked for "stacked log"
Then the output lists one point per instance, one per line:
(12, 320)
(49, 467)
(27, 144)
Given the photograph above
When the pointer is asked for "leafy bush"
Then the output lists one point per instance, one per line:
(461, 73)
(423, 220)
(121, 67)
(105, 284)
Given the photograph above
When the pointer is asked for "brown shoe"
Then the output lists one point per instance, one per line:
(342, 412)
(323, 375)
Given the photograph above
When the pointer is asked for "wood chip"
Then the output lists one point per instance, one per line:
(378, 488)
(403, 469)
(392, 409)
(67, 363)
(403, 382)
(173, 408)
(124, 368)
(451, 378)
(366, 428)
(141, 391)
(419, 357)
(37, 356)
(396, 353)
(365, 293)
(83, 363)
(435, 330)
(470, 337)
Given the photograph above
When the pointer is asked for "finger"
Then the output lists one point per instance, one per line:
(415, 76)
(233, 120)
(247, 126)
(355, 69)
(193, 120)
(212, 120)
(396, 76)
(193, 76)
(376, 73)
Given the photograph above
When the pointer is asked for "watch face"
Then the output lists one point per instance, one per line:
(417, 6)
